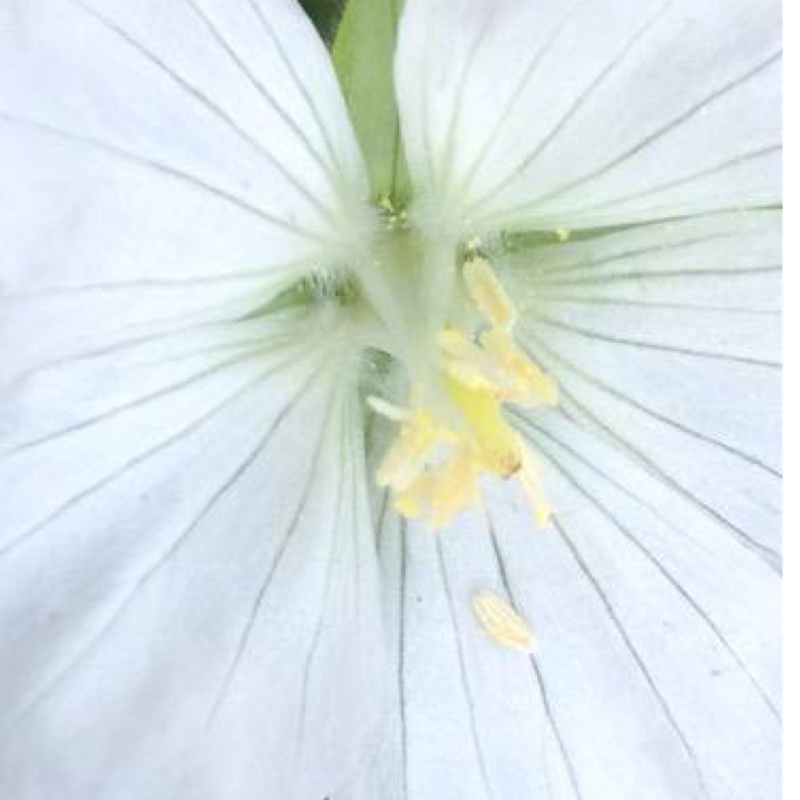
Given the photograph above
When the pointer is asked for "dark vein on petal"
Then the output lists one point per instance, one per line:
(536, 672)
(618, 59)
(161, 169)
(672, 125)
(637, 658)
(590, 263)
(334, 553)
(116, 347)
(766, 554)
(207, 103)
(645, 275)
(742, 455)
(463, 673)
(275, 562)
(469, 63)
(301, 87)
(734, 161)
(401, 662)
(637, 343)
(229, 484)
(76, 499)
(625, 302)
(260, 87)
(260, 274)
(160, 393)
(522, 85)
(384, 508)
(631, 537)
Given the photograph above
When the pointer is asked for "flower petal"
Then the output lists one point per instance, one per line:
(189, 595)
(653, 596)
(167, 158)
(535, 115)
(655, 633)
(665, 340)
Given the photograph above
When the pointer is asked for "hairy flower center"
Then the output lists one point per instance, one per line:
(442, 448)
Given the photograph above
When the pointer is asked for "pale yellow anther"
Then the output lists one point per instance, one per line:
(496, 443)
(466, 361)
(525, 381)
(488, 293)
(440, 494)
(409, 453)
(501, 622)
(433, 468)
(563, 234)
(532, 488)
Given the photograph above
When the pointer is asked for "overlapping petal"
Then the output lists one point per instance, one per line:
(606, 113)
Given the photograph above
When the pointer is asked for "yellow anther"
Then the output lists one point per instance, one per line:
(488, 293)
(562, 234)
(501, 622)
(525, 382)
(466, 361)
(496, 443)
(440, 494)
(409, 454)
(532, 488)
(433, 468)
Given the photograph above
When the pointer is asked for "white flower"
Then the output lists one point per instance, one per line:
(202, 592)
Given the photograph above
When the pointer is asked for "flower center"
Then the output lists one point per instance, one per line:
(453, 428)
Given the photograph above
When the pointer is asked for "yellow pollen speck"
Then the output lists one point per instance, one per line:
(433, 467)
(563, 234)
(501, 622)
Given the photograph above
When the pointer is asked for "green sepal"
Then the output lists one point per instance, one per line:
(363, 54)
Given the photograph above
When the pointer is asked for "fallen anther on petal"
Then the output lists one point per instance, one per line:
(501, 622)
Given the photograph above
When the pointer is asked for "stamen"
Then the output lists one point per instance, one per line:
(439, 495)
(432, 467)
(496, 443)
(533, 489)
(488, 293)
(501, 622)
(528, 383)
(408, 455)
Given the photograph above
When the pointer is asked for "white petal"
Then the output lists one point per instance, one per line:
(163, 158)
(653, 596)
(666, 340)
(534, 114)
(189, 596)
(655, 671)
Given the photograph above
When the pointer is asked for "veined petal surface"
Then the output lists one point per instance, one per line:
(528, 114)
(189, 597)
(665, 340)
(653, 596)
(164, 160)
